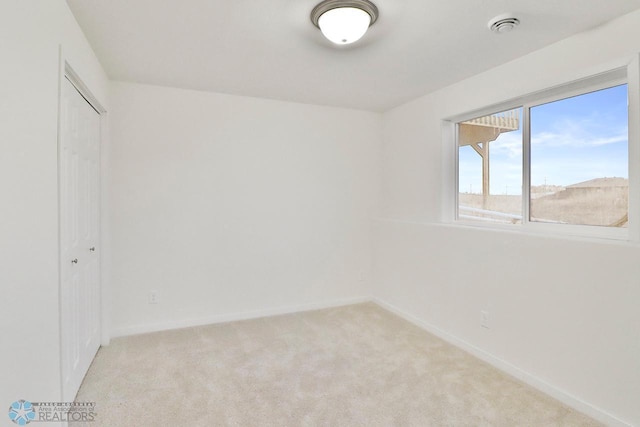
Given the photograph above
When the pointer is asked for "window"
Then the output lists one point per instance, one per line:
(579, 159)
(558, 160)
(490, 167)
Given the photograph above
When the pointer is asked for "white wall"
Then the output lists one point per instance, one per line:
(30, 35)
(229, 205)
(563, 312)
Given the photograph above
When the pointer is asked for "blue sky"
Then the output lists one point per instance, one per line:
(573, 140)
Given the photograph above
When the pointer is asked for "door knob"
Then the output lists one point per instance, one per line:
(74, 261)
(92, 249)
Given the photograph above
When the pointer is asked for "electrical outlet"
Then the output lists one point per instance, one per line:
(361, 276)
(153, 297)
(484, 319)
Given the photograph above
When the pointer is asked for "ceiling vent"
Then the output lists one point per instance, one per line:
(503, 23)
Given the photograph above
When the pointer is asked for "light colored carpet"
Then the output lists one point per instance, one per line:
(349, 366)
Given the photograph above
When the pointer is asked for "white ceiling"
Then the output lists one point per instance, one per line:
(270, 49)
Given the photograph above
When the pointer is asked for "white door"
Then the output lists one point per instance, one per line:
(79, 225)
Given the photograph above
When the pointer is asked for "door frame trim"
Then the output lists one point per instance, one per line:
(76, 81)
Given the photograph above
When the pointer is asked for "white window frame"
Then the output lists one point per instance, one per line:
(630, 75)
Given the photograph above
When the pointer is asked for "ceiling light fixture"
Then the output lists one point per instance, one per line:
(344, 21)
(503, 23)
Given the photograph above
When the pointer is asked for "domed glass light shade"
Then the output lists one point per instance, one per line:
(344, 25)
(344, 21)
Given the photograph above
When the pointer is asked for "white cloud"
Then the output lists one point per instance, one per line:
(509, 144)
(591, 132)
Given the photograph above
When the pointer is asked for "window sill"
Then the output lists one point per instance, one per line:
(619, 236)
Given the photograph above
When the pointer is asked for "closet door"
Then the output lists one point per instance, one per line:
(79, 224)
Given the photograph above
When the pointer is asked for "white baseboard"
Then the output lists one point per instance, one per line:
(222, 318)
(556, 393)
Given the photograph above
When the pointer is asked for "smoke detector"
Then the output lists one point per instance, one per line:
(503, 23)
